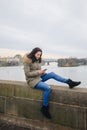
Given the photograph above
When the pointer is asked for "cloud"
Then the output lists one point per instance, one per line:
(58, 27)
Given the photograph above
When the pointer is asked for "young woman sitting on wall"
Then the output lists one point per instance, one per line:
(36, 78)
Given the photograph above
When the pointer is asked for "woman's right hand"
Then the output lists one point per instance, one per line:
(41, 72)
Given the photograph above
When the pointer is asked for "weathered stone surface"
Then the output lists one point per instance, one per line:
(8, 126)
(60, 94)
(67, 106)
(33, 124)
(6, 89)
(27, 108)
(76, 96)
(2, 104)
(26, 92)
(66, 115)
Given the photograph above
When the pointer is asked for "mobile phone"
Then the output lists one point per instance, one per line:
(44, 69)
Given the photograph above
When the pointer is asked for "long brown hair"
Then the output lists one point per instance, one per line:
(32, 55)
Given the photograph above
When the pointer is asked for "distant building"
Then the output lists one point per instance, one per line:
(11, 61)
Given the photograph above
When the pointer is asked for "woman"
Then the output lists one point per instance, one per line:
(36, 77)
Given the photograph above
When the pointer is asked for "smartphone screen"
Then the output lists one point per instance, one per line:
(44, 69)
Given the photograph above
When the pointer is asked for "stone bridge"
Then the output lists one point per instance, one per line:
(20, 106)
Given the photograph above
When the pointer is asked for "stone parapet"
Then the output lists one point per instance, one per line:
(21, 105)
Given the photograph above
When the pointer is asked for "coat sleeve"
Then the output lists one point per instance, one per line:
(30, 73)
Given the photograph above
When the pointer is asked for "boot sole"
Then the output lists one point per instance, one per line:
(75, 85)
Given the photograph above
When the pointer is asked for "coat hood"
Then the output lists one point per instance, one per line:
(26, 59)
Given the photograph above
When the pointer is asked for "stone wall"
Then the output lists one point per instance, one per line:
(20, 105)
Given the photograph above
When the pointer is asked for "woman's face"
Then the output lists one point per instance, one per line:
(38, 55)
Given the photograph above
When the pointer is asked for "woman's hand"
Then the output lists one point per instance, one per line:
(42, 72)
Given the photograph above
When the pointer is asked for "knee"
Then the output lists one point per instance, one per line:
(52, 74)
(49, 89)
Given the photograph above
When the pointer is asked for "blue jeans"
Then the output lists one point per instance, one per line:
(46, 88)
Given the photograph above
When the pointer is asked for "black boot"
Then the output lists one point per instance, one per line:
(72, 84)
(45, 111)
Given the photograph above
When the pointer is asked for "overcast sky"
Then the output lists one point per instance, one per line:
(59, 27)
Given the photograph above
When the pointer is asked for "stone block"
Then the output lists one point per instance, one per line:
(6, 89)
(76, 96)
(26, 108)
(26, 92)
(69, 115)
(2, 104)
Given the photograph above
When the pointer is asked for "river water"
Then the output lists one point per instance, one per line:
(16, 73)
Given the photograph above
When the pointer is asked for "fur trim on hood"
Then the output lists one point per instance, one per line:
(26, 59)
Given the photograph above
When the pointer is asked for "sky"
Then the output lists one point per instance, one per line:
(58, 27)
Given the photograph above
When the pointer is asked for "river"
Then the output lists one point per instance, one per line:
(16, 73)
